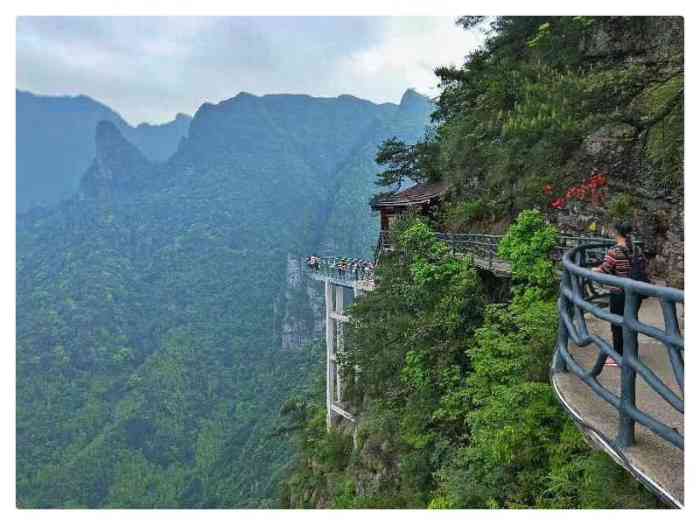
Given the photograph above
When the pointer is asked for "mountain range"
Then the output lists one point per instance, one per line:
(56, 143)
(163, 316)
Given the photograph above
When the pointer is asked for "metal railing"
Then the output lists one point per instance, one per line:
(575, 301)
(344, 268)
(485, 245)
(383, 244)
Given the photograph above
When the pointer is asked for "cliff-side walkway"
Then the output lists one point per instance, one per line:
(651, 456)
(633, 411)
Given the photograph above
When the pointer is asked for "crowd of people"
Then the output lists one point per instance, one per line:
(344, 267)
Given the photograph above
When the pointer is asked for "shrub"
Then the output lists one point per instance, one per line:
(527, 245)
(621, 206)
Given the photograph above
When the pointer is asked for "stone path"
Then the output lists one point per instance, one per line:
(652, 459)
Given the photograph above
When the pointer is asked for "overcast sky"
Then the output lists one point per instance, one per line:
(149, 69)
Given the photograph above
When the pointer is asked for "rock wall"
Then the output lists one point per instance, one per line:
(656, 212)
(301, 308)
(642, 188)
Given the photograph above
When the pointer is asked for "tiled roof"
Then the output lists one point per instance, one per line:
(418, 194)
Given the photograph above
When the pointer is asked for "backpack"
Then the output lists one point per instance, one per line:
(638, 266)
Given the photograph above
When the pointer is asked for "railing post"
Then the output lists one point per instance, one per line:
(559, 364)
(628, 380)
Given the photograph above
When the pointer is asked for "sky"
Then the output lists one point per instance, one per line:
(150, 68)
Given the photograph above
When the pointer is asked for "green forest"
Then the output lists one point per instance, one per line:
(159, 311)
(449, 375)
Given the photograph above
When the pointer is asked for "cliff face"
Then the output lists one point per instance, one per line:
(551, 102)
(641, 153)
(656, 213)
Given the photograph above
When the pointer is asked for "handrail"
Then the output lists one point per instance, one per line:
(574, 304)
(484, 245)
(333, 267)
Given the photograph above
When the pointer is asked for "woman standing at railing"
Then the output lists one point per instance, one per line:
(618, 261)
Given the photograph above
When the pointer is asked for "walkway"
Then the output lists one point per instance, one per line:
(634, 411)
(651, 457)
(482, 248)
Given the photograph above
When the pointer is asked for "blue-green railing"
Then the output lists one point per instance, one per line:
(575, 301)
(480, 245)
(485, 245)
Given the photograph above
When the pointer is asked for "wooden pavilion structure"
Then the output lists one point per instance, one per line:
(423, 198)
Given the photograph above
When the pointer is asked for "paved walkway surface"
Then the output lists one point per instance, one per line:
(494, 265)
(650, 457)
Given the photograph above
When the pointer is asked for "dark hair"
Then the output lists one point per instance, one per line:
(624, 229)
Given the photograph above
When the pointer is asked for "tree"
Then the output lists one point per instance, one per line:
(416, 162)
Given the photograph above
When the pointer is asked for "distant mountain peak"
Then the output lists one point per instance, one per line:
(118, 164)
(110, 142)
(412, 97)
(105, 133)
(56, 143)
(181, 119)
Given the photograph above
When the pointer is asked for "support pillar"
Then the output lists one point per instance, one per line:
(330, 354)
(334, 295)
(338, 340)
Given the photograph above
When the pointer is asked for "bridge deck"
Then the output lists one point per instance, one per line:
(496, 266)
(651, 459)
(361, 284)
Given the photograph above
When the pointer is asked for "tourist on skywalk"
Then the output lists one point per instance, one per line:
(619, 261)
(340, 267)
(345, 268)
(313, 262)
(367, 269)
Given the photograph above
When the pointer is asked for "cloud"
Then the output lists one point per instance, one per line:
(149, 68)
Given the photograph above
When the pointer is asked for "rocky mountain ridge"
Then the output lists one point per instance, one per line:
(55, 143)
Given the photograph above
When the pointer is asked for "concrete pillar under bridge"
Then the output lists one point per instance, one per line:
(335, 321)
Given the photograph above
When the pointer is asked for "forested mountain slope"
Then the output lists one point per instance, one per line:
(161, 311)
(56, 143)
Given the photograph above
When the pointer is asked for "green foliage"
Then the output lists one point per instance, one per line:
(151, 316)
(578, 481)
(514, 117)
(453, 394)
(663, 106)
(415, 162)
(527, 245)
(621, 206)
(461, 216)
(523, 449)
(408, 340)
